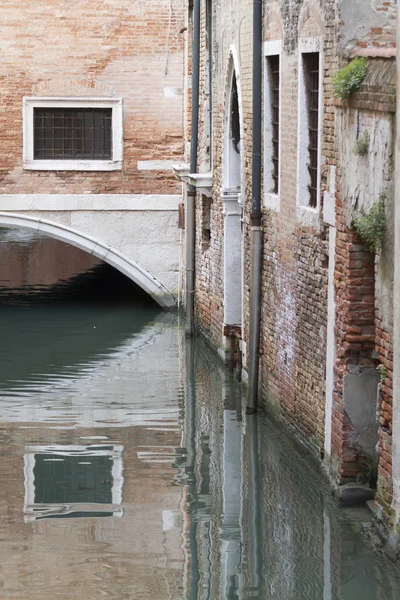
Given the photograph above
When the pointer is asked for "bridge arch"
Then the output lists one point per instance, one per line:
(128, 267)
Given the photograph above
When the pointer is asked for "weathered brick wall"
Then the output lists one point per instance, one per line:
(295, 267)
(355, 342)
(296, 250)
(364, 285)
(295, 255)
(131, 50)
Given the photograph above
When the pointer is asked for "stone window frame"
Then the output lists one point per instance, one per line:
(30, 163)
(307, 214)
(271, 200)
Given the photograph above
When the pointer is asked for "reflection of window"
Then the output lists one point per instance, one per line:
(83, 134)
(73, 481)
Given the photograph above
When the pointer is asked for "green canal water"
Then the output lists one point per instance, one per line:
(130, 471)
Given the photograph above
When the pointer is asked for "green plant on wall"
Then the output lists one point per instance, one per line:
(362, 144)
(349, 79)
(383, 372)
(371, 225)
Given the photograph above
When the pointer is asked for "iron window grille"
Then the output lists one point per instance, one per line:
(72, 133)
(274, 73)
(312, 76)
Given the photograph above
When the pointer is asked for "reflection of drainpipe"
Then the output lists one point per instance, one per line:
(254, 514)
(191, 194)
(190, 421)
(256, 216)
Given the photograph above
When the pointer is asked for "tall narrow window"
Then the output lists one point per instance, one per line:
(311, 81)
(272, 125)
(273, 65)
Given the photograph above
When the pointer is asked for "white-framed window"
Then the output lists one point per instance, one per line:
(272, 123)
(310, 112)
(73, 481)
(72, 134)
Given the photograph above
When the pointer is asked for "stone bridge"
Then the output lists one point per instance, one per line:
(137, 234)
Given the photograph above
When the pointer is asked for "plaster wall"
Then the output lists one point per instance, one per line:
(376, 28)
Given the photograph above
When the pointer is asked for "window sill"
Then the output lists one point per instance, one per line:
(72, 165)
(181, 172)
(203, 182)
(308, 215)
(272, 201)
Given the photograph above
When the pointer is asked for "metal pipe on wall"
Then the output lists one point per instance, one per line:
(191, 195)
(256, 215)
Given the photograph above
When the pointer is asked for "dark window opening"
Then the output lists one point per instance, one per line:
(235, 120)
(73, 479)
(73, 133)
(311, 80)
(274, 78)
(206, 225)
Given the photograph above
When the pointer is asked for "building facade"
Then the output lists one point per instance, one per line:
(92, 96)
(326, 343)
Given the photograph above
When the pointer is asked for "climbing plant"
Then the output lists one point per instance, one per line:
(371, 225)
(349, 79)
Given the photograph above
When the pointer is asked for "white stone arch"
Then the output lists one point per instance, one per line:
(110, 255)
(233, 69)
(233, 194)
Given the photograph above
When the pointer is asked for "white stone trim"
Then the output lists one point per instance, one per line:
(233, 69)
(172, 92)
(203, 182)
(33, 510)
(233, 193)
(156, 165)
(30, 103)
(271, 200)
(181, 172)
(93, 202)
(103, 251)
(305, 213)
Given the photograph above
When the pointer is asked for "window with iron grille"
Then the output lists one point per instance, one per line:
(311, 82)
(273, 63)
(72, 133)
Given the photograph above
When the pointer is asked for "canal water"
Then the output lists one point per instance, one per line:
(129, 469)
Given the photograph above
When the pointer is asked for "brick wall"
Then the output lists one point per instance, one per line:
(296, 247)
(131, 50)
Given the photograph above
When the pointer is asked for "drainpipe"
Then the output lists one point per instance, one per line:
(191, 194)
(256, 216)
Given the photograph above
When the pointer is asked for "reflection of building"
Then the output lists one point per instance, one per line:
(86, 463)
(73, 481)
(267, 525)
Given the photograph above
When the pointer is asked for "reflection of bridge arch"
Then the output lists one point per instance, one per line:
(128, 267)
